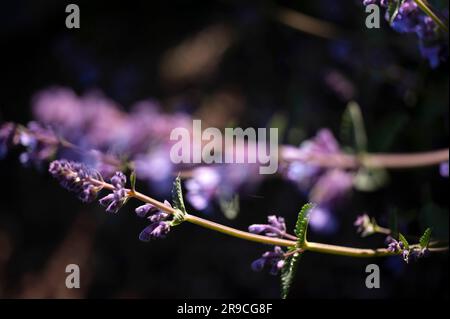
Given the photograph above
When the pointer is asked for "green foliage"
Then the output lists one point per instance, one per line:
(353, 132)
(133, 181)
(291, 263)
(288, 273)
(425, 239)
(177, 195)
(302, 224)
(178, 203)
(403, 240)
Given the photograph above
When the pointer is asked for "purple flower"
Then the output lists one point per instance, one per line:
(159, 225)
(394, 246)
(41, 144)
(331, 187)
(411, 19)
(365, 226)
(276, 227)
(443, 169)
(75, 177)
(274, 260)
(322, 220)
(8, 136)
(154, 231)
(113, 202)
(202, 187)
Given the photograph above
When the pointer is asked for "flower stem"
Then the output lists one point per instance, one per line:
(422, 5)
(311, 246)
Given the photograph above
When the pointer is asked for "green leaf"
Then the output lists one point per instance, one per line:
(291, 264)
(353, 131)
(403, 240)
(393, 8)
(425, 239)
(302, 224)
(288, 273)
(133, 181)
(177, 195)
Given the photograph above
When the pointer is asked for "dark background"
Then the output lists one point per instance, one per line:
(274, 70)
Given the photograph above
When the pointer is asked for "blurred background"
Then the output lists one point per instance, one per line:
(288, 64)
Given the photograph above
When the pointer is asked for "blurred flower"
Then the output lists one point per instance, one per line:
(276, 227)
(331, 187)
(443, 169)
(365, 225)
(410, 18)
(270, 259)
(203, 185)
(322, 220)
(75, 177)
(41, 144)
(7, 137)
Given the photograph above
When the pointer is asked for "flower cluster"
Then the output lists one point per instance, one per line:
(113, 202)
(274, 260)
(159, 225)
(365, 225)
(75, 177)
(276, 227)
(409, 18)
(408, 254)
(325, 186)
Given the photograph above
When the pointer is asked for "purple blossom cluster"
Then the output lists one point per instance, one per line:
(113, 202)
(325, 187)
(159, 225)
(94, 122)
(274, 260)
(276, 227)
(75, 177)
(411, 19)
(408, 254)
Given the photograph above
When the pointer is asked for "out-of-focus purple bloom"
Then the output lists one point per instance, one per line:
(75, 177)
(411, 19)
(443, 169)
(202, 186)
(365, 225)
(276, 227)
(8, 134)
(331, 187)
(113, 202)
(340, 85)
(322, 220)
(41, 144)
(274, 260)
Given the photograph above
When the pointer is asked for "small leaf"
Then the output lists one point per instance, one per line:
(177, 195)
(353, 131)
(403, 240)
(178, 218)
(288, 273)
(133, 181)
(393, 8)
(425, 239)
(302, 224)
(290, 267)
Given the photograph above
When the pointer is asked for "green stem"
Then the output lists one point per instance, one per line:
(316, 247)
(422, 5)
